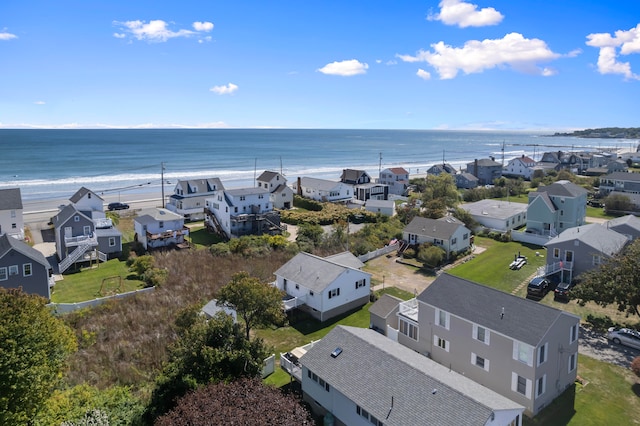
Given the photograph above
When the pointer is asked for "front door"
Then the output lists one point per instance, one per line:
(68, 232)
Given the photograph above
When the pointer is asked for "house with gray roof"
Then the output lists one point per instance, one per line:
(22, 266)
(520, 167)
(497, 215)
(189, 196)
(628, 226)
(158, 228)
(448, 233)
(383, 207)
(323, 189)
(281, 195)
(213, 308)
(383, 315)
(438, 169)
(524, 350)
(466, 180)
(356, 376)
(581, 249)
(554, 208)
(485, 169)
(396, 178)
(354, 177)
(322, 287)
(619, 182)
(11, 220)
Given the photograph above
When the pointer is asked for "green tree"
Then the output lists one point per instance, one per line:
(257, 303)
(617, 203)
(443, 188)
(431, 256)
(210, 351)
(465, 217)
(34, 345)
(312, 232)
(616, 282)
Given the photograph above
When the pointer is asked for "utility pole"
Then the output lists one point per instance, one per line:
(380, 165)
(162, 181)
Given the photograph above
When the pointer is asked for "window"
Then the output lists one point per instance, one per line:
(453, 240)
(333, 293)
(597, 260)
(297, 286)
(573, 333)
(523, 353)
(441, 343)
(14, 226)
(160, 224)
(364, 413)
(242, 198)
(541, 385)
(481, 334)
(572, 362)
(3, 274)
(465, 236)
(408, 329)
(86, 230)
(479, 361)
(76, 218)
(542, 353)
(310, 293)
(442, 318)
(13, 270)
(568, 256)
(112, 241)
(26, 270)
(13, 213)
(556, 253)
(360, 283)
(521, 385)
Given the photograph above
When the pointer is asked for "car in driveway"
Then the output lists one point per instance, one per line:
(624, 336)
(538, 287)
(562, 291)
(117, 206)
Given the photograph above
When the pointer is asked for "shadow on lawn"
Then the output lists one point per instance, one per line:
(636, 389)
(559, 412)
(305, 324)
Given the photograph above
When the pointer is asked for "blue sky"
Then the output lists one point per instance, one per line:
(451, 64)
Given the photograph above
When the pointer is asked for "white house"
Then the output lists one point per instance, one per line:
(158, 228)
(11, 221)
(396, 178)
(384, 207)
(242, 211)
(323, 287)
(188, 198)
(520, 167)
(447, 233)
(281, 195)
(323, 190)
(498, 215)
(356, 376)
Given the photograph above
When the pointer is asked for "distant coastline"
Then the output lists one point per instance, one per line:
(604, 133)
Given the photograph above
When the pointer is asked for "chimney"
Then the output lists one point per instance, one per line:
(475, 167)
(299, 186)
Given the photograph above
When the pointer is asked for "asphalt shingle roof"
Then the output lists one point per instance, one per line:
(495, 208)
(563, 188)
(8, 243)
(384, 305)
(373, 371)
(633, 177)
(435, 228)
(598, 237)
(524, 319)
(81, 193)
(10, 199)
(319, 184)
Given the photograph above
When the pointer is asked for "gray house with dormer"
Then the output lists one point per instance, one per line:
(523, 350)
(355, 376)
(485, 169)
(22, 266)
(555, 208)
(188, 198)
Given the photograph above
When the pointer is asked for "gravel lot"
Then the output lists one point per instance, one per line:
(595, 345)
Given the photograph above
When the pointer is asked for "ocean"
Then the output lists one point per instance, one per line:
(52, 164)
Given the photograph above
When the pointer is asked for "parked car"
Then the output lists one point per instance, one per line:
(562, 291)
(624, 336)
(118, 206)
(538, 287)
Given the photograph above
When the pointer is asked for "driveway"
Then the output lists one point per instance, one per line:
(595, 345)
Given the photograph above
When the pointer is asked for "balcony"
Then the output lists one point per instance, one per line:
(409, 309)
(290, 361)
(80, 240)
(554, 267)
(168, 234)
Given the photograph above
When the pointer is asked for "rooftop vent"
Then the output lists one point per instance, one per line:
(336, 352)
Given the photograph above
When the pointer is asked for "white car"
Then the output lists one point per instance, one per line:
(624, 336)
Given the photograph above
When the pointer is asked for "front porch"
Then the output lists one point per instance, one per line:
(167, 238)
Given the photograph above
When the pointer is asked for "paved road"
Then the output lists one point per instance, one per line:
(595, 345)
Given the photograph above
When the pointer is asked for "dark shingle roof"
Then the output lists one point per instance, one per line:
(633, 177)
(596, 236)
(440, 229)
(385, 305)
(266, 176)
(10, 199)
(351, 175)
(563, 188)
(524, 319)
(373, 370)
(81, 193)
(8, 243)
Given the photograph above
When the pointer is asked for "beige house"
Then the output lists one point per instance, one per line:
(448, 233)
(524, 350)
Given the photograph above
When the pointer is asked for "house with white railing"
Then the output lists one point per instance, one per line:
(280, 195)
(188, 198)
(83, 232)
(160, 228)
(11, 221)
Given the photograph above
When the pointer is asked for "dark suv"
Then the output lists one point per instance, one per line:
(538, 287)
(118, 206)
(562, 291)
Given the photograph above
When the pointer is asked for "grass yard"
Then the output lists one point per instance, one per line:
(111, 277)
(200, 237)
(491, 267)
(597, 212)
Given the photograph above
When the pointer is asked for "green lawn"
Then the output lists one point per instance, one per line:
(106, 278)
(597, 212)
(200, 237)
(491, 267)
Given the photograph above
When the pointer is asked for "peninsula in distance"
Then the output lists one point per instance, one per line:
(605, 133)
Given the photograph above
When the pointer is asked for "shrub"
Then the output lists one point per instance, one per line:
(635, 366)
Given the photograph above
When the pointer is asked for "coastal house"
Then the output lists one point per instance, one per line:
(281, 196)
(11, 220)
(523, 350)
(354, 177)
(22, 266)
(370, 191)
(520, 167)
(497, 215)
(619, 182)
(554, 208)
(485, 169)
(157, 228)
(383, 207)
(447, 233)
(233, 213)
(83, 232)
(323, 190)
(188, 198)
(323, 287)
(628, 226)
(581, 249)
(355, 376)
(383, 315)
(438, 169)
(396, 178)
(466, 180)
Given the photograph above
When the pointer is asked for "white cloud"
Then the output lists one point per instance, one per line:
(475, 56)
(425, 75)
(345, 68)
(203, 26)
(628, 42)
(462, 14)
(224, 90)
(39, 102)
(7, 36)
(574, 53)
(158, 30)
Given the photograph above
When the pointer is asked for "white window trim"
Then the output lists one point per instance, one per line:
(409, 325)
(574, 357)
(24, 269)
(474, 358)
(546, 353)
(514, 385)
(446, 343)
(540, 392)
(5, 273)
(486, 334)
(13, 270)
(112, 241)
(447, 319)
(519, 347)
(571, 332)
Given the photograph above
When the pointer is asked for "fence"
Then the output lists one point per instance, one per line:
(64, 308)
(269, 366)
(377, 253)
(525, 237)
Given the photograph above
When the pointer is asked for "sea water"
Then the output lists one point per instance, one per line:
(47, 164)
